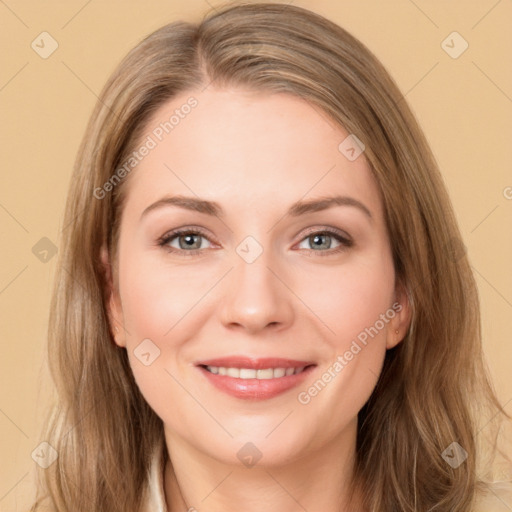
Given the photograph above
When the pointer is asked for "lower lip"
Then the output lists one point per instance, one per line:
(255, 389)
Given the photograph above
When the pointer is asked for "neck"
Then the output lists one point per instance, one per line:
(318, 480)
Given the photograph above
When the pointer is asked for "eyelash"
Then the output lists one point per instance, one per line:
(345, 242)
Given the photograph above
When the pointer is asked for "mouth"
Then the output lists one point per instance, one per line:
(255, 379)
(251, 373)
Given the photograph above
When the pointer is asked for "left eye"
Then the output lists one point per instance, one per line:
(323, 240)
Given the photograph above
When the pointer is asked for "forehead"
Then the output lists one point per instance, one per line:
(246, 150)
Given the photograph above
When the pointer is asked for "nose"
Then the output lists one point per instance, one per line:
(257, 298)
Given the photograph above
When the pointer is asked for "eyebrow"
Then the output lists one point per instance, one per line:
(296, 209)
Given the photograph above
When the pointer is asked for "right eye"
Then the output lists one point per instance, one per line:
(186, 242)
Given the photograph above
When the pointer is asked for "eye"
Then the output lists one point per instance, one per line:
(326, 241)
(189, 241)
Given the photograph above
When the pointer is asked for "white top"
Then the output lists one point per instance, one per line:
(499, 500)
(155, 496)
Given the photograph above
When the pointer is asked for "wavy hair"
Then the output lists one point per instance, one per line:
(434, 387)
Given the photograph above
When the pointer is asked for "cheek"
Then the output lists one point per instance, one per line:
(349, 298)
(153, 306)
(352, 306)
(156, 297)
(161, 303)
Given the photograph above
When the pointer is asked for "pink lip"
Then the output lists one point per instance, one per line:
(255, 389)
(256, 364)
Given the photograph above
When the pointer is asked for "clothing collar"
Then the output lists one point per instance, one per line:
(155, 497)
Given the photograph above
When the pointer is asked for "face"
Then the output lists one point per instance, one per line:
(258, 307)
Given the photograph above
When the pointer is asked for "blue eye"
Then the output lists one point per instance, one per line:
(322, 242)
(189, 242)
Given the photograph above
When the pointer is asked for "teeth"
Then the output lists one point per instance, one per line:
(279, 372)
(233, 372)
(267, 373)
(246, 373)
(250, 373)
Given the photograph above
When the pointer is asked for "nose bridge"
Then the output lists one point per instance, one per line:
(256, 298)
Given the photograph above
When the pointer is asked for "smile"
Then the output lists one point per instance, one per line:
(254, 379)
(251, 373)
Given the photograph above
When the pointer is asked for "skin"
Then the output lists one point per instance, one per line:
(254, 154)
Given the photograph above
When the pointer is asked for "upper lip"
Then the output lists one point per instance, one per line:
(254, 363)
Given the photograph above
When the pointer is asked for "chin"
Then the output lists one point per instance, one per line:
(259, 451)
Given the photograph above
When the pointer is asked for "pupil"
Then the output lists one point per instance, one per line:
(318, 241)
(189, 240)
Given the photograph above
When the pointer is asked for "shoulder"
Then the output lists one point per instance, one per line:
(497, 498)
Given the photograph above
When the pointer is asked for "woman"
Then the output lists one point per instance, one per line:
(262, 300)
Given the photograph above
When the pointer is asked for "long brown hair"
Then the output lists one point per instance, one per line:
(434, 386)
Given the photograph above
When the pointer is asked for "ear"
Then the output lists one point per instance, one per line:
(400, 322)
(114, 308)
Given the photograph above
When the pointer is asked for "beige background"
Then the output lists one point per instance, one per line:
(463, 104)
